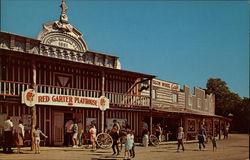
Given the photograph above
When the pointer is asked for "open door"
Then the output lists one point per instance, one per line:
(58, 128)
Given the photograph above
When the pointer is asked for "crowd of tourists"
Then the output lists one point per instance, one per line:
(14, 136)
(121, 134)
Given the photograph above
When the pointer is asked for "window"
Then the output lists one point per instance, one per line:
(199, 103)
(153, 94)
(190, 101)
(175, 97)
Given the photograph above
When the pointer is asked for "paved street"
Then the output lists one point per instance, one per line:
(235, 148)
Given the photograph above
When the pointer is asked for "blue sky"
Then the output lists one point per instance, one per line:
(186, 42)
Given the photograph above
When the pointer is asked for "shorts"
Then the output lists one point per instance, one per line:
(75, 135)
(37, 140)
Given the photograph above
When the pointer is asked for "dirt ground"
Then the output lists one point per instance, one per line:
(234, 148)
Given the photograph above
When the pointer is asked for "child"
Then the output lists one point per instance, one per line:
(36, 134)
(180, 136)
(92, 132)
(128, 145)
(214, 142)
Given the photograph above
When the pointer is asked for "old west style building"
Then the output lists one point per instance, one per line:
(69, 80)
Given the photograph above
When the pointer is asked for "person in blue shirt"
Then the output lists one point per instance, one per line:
(202, 137)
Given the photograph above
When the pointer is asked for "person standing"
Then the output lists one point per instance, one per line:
(158, 131)
(226, 131)
(128, 145)
(8, 138)
(115, 138)
(37, 139)
(92, 132)
(68, 132)
(180, 137)
(80, 132)
(202, 137)
(75, 133)
(132, 151)
(19, 135)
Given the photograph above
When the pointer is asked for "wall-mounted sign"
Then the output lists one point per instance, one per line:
(165, 84)
(29, 97)
(63, 100)
(103, 103)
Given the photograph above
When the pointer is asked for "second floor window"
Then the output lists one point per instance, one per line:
(153, 94)
(190, 101)
(199, 103)
(175, 97)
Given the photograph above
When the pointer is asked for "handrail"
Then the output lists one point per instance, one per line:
(12, 88)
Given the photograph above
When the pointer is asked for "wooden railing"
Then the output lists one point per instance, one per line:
(11, 88)
(127, 99)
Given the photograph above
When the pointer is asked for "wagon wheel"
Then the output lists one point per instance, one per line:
(104, 140)
(154, 140)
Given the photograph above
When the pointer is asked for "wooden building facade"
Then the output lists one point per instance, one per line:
(59, 64)
(173, 107)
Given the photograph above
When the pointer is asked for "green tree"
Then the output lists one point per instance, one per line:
(228, 102)
(225, 100)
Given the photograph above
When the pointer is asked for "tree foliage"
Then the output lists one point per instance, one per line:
(227, 102)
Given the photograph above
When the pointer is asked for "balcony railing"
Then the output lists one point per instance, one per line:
(11, 88)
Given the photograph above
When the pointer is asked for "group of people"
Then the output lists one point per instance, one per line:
(14, 136)
(74, 133)
(201, 139)
(120, 135)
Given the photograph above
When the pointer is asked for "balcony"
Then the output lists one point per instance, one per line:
(15, 89)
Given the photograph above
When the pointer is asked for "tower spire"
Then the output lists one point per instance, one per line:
(63, 17)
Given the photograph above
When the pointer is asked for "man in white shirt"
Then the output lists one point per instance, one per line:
(8, 127)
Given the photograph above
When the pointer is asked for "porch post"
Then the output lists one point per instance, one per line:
(150, 105)
(103, 94)
(33, 109)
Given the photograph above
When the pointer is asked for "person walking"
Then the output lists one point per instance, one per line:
(202, 137)
(115, 138)
(92, 132)
(180, 137)
(37, 139)
(19, 135)
(8, 138)
(214, 143)
(128, 145)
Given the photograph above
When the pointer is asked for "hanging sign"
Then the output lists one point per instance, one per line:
(63, 100)
(103, 103)
(29, 97)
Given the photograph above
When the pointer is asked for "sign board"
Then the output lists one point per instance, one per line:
(30, 98)
(26, 121)
(90, 121)
(165, 84)
(103, 103)
(109, 122)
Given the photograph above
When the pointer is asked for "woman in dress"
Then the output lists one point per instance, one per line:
(92, 132)
(19, 135)
(128, 145)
